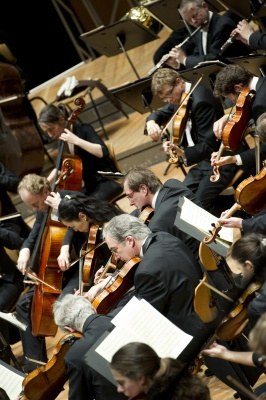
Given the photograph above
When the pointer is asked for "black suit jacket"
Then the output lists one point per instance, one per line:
(219, 30)
(166, 208)
(205, 109)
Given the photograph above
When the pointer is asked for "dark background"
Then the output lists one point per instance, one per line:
(37, 38)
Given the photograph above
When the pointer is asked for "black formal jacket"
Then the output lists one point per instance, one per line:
(205, 109)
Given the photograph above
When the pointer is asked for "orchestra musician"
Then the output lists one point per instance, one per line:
(208, 41)
(141, 373)
(198, 141)
(80, 213)
(244, 32)
(143, 188)
(229, 83)
(75, 313)
(85, 143)
(35, 191)
(12, 234)
(248, 256)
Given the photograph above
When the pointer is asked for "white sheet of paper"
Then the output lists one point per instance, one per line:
(138, 321)
(11, 382)
(203, 220)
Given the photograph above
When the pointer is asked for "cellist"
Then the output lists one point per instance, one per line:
(35, 192)
(84, 142)
(197, 139)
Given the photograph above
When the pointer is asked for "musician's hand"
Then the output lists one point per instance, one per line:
(97, 275)
(232, 222)
(216, 350)
(23, 260)
(222, 160)
(177, 57)
(242, 32)
(153, 130)
(64, 258)
(53, 200)
(69, 137)
(96, 289)
(219, 125)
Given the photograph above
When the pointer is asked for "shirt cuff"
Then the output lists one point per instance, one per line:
(238, 160)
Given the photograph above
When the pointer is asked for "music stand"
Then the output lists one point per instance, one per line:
(138, 96)
(244, 8)
(254, 63)
(207, 70)
(122, 35)
(166, 11)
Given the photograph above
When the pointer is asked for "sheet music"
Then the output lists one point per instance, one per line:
(138, 321)
(202, 219)
(11, 380)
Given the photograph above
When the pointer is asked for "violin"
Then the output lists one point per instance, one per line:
(46, 382)
(234, 128)
(87, 268)
(146, 215)
(249, 196)
(119, 284)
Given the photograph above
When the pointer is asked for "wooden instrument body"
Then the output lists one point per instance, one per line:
(180, 121)
(251, 193)
(71, 173)
(121, 283)
(234, 129)
(46, 382)
(44, 297)
(91, 256)
(21, 147)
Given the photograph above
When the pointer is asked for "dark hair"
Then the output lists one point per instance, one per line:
(251, 247)
(170, 381)
(230, 76)
(51, 114)
(98, 211)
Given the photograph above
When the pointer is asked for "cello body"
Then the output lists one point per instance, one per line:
(44, 297)
(21, 147)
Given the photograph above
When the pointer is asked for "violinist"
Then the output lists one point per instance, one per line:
(207, 42)
(85, 143)
(248, 256)
(229, 83)
(80, 213)
(75, 313)
(140, 373)
(35, 191)
(143, 188)
(197, 139)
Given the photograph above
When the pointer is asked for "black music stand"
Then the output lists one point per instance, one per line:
(207, 70)
(121, 36)
(255, 63)
(166, 11)
(138, 96)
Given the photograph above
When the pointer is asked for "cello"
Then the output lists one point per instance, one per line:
(49, 241)
(21, 147)
(70, 175)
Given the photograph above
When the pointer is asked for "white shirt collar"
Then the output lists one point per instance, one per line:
(154, 199)
(253, 83)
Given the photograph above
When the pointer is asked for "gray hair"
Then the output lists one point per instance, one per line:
(72, 311)
(123, 225)
(185, 3)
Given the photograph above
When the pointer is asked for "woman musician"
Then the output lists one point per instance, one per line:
(85, 143)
